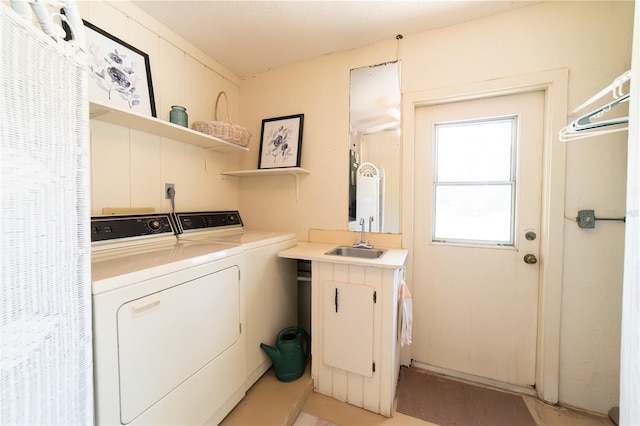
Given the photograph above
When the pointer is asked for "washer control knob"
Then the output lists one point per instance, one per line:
(232, 218)
(154, 224)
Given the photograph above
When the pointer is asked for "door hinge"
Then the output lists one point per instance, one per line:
(238, 274)
(240, 328)
(375, 297)
(336, 299)
(373, 367)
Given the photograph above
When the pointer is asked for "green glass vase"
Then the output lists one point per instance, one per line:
(178, 115)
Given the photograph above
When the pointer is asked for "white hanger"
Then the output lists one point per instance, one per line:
(615, 88)
(584, 127)
(46, 11)
(565, 135)
(585, 123)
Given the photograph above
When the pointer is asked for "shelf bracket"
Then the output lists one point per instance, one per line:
(295, 175)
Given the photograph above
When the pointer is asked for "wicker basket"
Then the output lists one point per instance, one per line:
(223, 129)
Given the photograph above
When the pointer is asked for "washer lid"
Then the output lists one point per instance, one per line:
(117, 268)
(253, 239)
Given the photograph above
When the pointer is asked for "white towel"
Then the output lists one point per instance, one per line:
(405, 313)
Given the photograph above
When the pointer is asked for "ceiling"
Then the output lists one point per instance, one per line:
(249, 37)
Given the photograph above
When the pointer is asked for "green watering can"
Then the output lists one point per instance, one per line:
(289, 356)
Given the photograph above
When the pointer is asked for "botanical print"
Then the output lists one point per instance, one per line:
(120, 74)
(113, 75)
(280, 144)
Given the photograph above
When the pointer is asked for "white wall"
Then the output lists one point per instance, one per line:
(129, 168)
(591, 39)
(319, 89)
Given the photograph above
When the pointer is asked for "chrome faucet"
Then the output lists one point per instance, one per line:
(363, 243)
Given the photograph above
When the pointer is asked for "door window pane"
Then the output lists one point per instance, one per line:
(475, 151)
(479, 213)
(474, 182)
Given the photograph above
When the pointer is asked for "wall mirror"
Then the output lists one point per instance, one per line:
(374, 142)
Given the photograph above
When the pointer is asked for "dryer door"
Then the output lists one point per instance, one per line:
(166, 337)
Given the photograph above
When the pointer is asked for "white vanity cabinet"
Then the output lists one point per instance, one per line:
(355, 348)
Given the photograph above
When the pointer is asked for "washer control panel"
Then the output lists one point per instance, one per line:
(208, 220)
(104, 228)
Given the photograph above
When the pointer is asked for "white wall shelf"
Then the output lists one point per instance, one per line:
(294, 171)
(265, 172)
(159, 127)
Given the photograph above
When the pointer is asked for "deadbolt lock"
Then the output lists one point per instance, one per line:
(530, 235)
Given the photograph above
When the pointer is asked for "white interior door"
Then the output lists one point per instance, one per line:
(478, 181)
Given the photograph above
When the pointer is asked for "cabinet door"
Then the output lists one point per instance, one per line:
(348, 327)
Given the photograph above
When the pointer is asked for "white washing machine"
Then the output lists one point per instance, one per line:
(271, 282)
(169, 347)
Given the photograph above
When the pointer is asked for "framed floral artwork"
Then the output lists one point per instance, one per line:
(281, 142)
(120, 73)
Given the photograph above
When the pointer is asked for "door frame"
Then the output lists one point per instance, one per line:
(554, 84)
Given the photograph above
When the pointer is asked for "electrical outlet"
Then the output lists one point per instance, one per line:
(169, 191)
(586, 219)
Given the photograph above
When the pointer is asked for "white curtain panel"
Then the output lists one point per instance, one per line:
(45, 291)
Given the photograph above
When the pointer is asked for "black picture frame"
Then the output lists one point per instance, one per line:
(281, 142)
(117, 78)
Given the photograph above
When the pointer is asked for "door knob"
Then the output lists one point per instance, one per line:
(531, 259)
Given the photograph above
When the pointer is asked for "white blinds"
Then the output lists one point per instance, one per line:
(45, 299)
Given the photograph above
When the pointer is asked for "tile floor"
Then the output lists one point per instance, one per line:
(271, 402)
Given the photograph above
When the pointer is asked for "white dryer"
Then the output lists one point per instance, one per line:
(169, 347)
(271, 282)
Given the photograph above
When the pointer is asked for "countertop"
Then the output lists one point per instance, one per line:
(392, 259)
